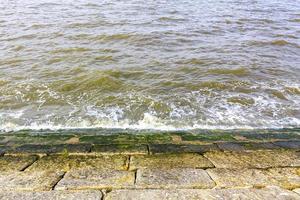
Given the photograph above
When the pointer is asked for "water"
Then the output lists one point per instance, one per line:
(149, 64)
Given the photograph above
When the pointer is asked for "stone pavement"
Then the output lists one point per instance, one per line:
(204, 165)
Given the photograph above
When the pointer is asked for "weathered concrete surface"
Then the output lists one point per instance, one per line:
(254, 159)
(273, 193)
(96, 179)
(127, 149)
(52, 195)
(173, 178)
(288, 178)
(176, 148)
(68, 162)
(16, 163)
(30, 181)
(183, 160)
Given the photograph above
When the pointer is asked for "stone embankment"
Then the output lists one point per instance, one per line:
(179, 165)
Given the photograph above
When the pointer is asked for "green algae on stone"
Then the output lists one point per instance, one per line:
(59, 148)
(126, 149)
(126, 138)
(181, 148)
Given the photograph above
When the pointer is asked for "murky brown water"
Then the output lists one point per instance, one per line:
(149, 64)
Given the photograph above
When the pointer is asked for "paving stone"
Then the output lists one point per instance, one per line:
(289, 144)
(242, 146)
(51, 195)
(173, 178)
(128, 149)
(90, 178)
(175, 148)
(190, 160)
(16, 163)
(254, 159)
(68, 162)
(31, 181)
(273, 193)
(288, 178)
(48, 149)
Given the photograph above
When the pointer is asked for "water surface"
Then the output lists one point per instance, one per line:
(138, 64)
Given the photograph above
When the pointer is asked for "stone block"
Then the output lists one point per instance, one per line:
(243, 146)
(68, 162)
(289, 144)
(16, 162)
(180, 148)
(273, 193)
(90, 178)
(173, 178)
(48, 149)
(167, 161)
(288, 178)
(51, 195)
(30, 181)
(254, 159)
(126, 149)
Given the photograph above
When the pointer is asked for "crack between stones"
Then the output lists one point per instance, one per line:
(128, 163)
(29, 164)
(60, 178)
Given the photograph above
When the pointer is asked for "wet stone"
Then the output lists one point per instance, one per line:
(288, 178)
(254, 159)
(167, 161)
(31, 138)
(30, 181)
(16, 163)
(243, 146)
(68, 162)
(289, 144)
(174, 148)
(173, 178)
(61, 148)
(273, 193)
(120, 149)
(90, 178)
(51, 195)
(127, 138)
